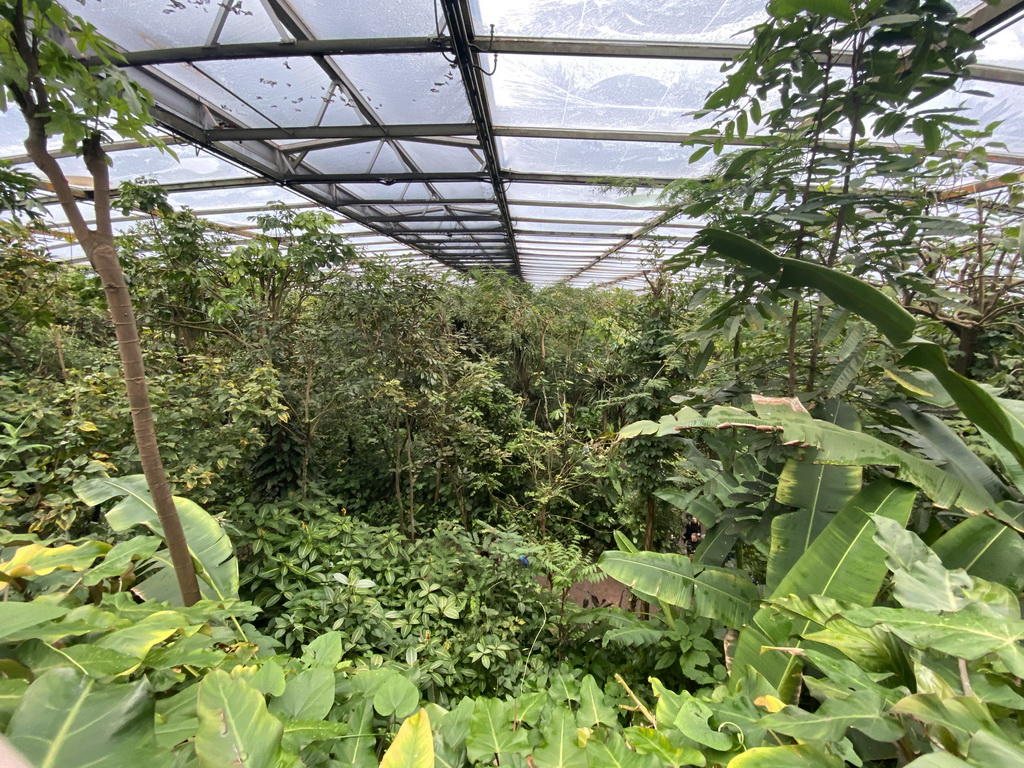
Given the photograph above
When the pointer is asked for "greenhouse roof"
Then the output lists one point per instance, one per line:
(468, 132)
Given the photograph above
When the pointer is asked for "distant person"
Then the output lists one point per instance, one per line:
(692, 533)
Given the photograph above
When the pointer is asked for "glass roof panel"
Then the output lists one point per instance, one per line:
(347, 19)
(587, 193)
(438, 158)
(578, 214)
(556, 228)
(147, 25)
(248, 22)
(591, 156)
(127, 165)
(611, 93)
(247, 197)
(289, 91)
(211, 92)
(409, 87)
(403, 191)
(1005, 48)
(698, 20)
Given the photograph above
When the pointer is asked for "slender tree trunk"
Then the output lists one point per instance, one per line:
(398, 480)
(412, 479)
(100, 248)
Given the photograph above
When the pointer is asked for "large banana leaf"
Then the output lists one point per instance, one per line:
(960, 460)
(207, 541)
(984, 548)
(843, 563)
(67, 720)
(845, 290)
(718, 593)
(998, 422)
(235, 728)
(816, 489)
(835, 445)
(808, 484)
(413, 747)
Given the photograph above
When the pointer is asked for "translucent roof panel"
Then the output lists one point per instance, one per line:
(633, 159)
(288, 92)
(147, 25)
(612, 93)
(521, 160)
(409, 87)
(1005, 48)
(644, 197)
(189, 166)
(582, 215)
(699, 20)
(346, 19)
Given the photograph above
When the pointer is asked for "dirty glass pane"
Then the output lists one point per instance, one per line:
(408, 87)
(697, 20)
(346, 19)
(612, 93)
(290, 91)
(1005, 48)
(591, 156)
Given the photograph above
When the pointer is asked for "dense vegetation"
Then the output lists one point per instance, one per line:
(389, 478)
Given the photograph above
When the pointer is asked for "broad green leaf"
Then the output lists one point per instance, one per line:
(843, 563)
(837, 446)
(309, 695)
(989, 748)
(1003, 423)
(960, 460)
(67, 720)
(966, 634)
(298, 734)
(413, 747)
(560, 749)
(961, 716)
(137, 639)
(816, 489)
(95, 661)
(795, 756)
(920, 580)
(357, 748)
(986, 549)
(692, 722)
(612, 752)
(792, 534)
(939, 760)
(325, 651)
(722, 595)
(491, 732)
(15, 617)
(120, 557)
(862, 710)
(11, 691)
(38, 559)
(667, 746)
(207, 541)
(235, 728)
(269, 678)
(393, 694)
(846, 291)
(593, 710)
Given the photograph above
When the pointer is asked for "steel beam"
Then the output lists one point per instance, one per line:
(988, 19)
(375, 131)
(460, 27)
(276, 50)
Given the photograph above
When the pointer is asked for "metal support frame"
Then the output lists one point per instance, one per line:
(460, 27)
(196, 120)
